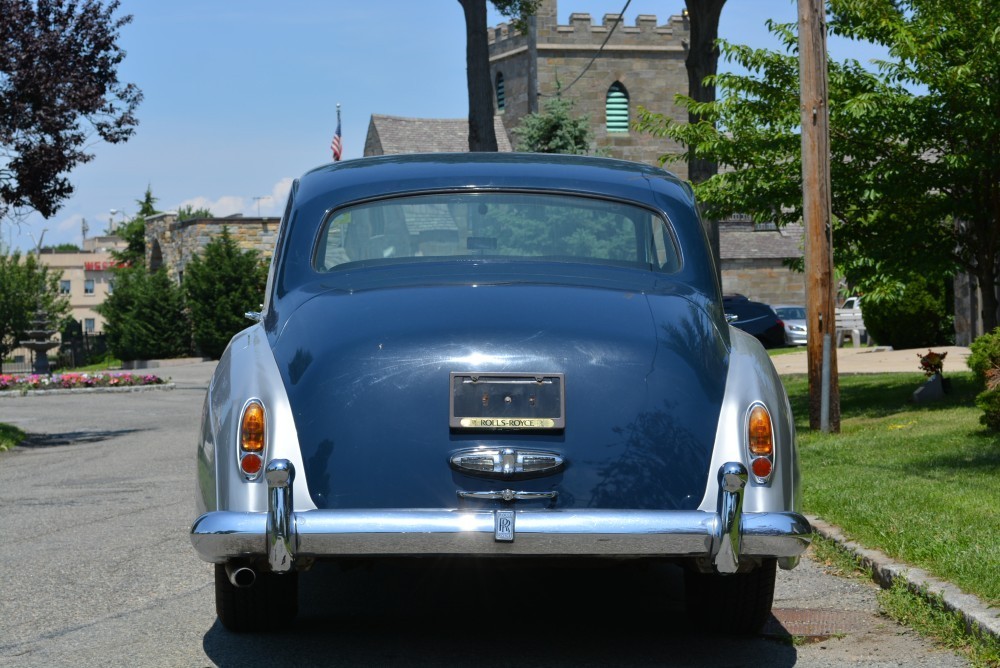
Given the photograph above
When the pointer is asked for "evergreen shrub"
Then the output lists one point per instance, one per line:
(916, 318)
(984, 361)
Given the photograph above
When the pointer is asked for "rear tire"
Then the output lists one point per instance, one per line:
(272, 601)
(735, 604)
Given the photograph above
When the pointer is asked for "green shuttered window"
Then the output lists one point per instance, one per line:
(616, 108)
(500, 94)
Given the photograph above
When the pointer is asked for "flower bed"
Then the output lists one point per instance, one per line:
(71, 381)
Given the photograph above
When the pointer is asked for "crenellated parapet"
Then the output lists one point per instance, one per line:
(583, 30)
(607, 70)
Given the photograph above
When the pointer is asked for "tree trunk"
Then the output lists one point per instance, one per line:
(482, 136)
(702, 61)
(987, 276)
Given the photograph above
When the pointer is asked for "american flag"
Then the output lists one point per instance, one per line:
(335, 145)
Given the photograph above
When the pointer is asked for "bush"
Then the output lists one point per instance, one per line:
(145, 316)
(989, 403)
(221, 284)
(984, 361)
(917, 318)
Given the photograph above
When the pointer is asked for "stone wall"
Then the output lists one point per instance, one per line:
(647, 58)
(171, 243)
(763, 280)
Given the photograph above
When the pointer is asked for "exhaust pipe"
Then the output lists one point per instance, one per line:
(240, 576)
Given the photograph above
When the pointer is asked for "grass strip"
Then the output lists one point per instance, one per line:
(917, 481)
(922, 612)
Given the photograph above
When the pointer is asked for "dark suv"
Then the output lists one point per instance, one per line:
(756, 318)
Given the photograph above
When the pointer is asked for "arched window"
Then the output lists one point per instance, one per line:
(616, 108)
(501, 101)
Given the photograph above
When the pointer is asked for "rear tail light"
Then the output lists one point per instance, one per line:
(253, 437)
(760, 442)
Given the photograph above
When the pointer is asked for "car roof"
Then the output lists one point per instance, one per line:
(335, 186)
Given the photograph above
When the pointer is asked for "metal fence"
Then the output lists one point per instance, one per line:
(72, 353)
(18, 361)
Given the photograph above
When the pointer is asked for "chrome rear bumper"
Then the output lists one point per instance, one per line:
(283, 535)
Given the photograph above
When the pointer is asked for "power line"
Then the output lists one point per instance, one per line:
(599, 50)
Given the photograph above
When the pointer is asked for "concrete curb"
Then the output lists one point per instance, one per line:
(8, 394)
(979, 617)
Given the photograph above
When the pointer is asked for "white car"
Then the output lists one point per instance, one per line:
(794, 318)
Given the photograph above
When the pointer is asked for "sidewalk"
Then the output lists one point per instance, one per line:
(874, 360)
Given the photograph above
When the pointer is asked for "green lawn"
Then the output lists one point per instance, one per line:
(919, 482)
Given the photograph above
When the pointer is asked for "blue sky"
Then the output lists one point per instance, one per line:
(241, 95)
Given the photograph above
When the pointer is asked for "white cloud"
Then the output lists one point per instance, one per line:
(227, 205)
(279, 194)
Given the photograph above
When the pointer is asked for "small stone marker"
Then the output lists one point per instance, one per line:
(932, 390)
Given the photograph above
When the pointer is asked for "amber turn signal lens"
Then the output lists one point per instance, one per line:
(250, 464)
(252, 428)
(760, 435)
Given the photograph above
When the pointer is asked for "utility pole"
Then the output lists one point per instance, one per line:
(824, 390)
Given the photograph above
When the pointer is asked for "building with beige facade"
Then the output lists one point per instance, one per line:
(85, 277)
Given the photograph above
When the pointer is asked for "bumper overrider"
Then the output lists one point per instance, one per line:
(284, 535)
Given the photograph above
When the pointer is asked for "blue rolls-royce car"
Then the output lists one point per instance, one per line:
(495, 355)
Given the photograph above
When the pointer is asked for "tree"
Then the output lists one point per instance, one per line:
(58, 88)
(145, 316)
(915, 177)
(188, 212)
(702, 63)
(133, 232)
(221, 284)
(554, 130)
(482, 136)
(25, 286)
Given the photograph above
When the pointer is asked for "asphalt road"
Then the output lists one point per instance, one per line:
(96, 570)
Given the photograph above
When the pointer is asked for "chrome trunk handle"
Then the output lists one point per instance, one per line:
(507, 495)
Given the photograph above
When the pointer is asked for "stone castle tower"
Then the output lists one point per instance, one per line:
(640, 65)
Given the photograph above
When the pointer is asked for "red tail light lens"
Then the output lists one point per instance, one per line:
(251, 464)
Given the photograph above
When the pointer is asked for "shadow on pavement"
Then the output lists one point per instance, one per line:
(459, 613)
(73, 437)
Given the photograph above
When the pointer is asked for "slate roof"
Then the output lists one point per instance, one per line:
(390, 135)
(739, 241)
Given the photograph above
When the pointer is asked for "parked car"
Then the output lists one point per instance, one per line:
(497, 356)
(852, 304)
(794, 320)
(755, 318)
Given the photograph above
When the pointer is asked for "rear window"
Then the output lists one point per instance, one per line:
(497, 225)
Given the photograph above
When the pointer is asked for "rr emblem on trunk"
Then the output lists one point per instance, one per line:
(503, 525)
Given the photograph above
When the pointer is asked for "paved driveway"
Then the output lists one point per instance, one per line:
(96, 570)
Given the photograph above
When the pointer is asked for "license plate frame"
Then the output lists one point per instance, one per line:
(507, 401)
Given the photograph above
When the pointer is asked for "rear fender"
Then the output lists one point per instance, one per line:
(752, 378)
(246, 371)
